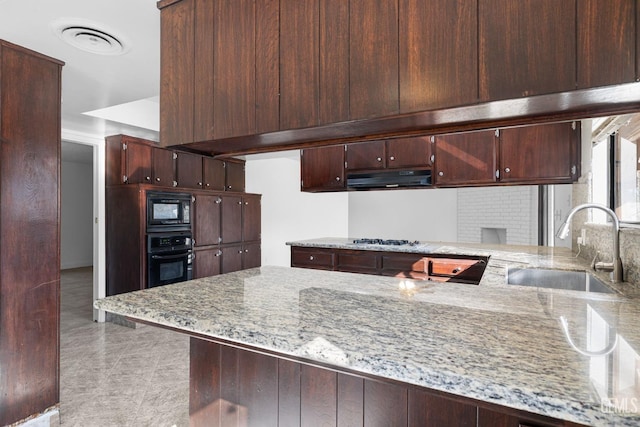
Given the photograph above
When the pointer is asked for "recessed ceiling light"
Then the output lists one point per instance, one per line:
(89, 36)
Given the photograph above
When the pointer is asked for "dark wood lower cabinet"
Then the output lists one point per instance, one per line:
(230, 386)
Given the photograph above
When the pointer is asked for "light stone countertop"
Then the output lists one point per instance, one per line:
(496, 343)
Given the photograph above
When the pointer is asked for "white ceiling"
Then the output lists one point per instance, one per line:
(93, 82)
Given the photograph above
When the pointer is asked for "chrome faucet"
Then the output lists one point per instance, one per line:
(616, 265)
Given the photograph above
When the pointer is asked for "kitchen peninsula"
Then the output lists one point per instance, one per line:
(289, 346)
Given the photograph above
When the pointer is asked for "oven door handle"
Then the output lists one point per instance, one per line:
(182, 255)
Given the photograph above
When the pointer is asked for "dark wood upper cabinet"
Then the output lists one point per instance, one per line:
(267, 65)
(177, 67)
(365, 155)
(128, 160)
(234, 176)
(606, 42)
(213, 174)
(204, 41)
(543, 153)
(373, 65)
(163, 167)
(526, 47)
(438, 54)
(322, 169)
(409, 152)
(299, 70)
(189, 170)
(466, 158)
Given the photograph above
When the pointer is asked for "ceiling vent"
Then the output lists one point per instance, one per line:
(89, 37)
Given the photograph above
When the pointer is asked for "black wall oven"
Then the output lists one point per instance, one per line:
(169, 258)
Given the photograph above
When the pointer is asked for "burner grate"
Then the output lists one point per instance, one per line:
(390, 242)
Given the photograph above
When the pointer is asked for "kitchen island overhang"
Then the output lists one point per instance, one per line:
(491, 347)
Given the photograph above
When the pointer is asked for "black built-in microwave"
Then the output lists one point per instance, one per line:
(167, 211)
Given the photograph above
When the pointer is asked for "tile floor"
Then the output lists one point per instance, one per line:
(111, 375)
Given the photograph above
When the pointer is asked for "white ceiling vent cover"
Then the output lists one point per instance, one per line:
(90, 37)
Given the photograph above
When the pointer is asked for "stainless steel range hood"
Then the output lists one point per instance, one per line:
(389, 179)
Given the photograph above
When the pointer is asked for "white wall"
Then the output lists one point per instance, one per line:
(287, 213)
(77, 215)
(425, 215)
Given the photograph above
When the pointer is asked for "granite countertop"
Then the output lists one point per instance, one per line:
(499, 344)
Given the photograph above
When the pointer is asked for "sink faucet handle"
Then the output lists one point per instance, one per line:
(595, 258)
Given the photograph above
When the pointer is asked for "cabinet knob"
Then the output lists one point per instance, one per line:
(392, 158)
(456, 270)
(379, 159)
(240, 251)
(337, 178)
(208, 185)
(440, 173)
(240, 202)
(246, 251)
(228, 187)
(147, 178)
(199, 184)
(158, 179)
(246, 203)
(507, 170)
(311, 258)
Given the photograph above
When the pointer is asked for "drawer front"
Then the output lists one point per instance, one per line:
(449, 267)
(396, 263)
(358, 262)
(312, 258)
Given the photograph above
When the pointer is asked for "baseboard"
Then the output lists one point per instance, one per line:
(75, 264)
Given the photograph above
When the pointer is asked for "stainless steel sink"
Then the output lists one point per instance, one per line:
(557, 279)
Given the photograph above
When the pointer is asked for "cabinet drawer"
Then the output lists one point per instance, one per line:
(357, 262)
(464, 270)
(396, 263)
(312, 258)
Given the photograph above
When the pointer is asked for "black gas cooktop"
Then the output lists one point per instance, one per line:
(384, 242)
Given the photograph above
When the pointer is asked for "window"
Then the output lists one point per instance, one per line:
(615, 167)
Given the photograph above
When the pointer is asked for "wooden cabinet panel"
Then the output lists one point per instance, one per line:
(409, 152)
(189, 170)
(318, 389)
(206, 262)
(231, 259)
(432, 410)
(231, 224)
(299, 71)
(288, 393)
(322, 169)
(234, 68)
(251, 218)
(267, 65)
(163, 167)
(373, 66)
(365, 155)
(252, 256)
(529, 50)
(537, 153)
(334, 61)
(204, 87)
(465, 158)
(385, 404)
(490, 418)
(177, 70)
(128, 160)
(350, 401)
(29, 232)
(207, 214)
(213, 174)
(234, 176)
(317, 258)
(357, 261)
(403, 265)
(438, 54)
(606, 42)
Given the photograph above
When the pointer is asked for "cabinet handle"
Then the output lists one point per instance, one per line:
(199, 184)
(228, 187)
(507, 170)
(246, 203)
(208, 185)
(240, 202)
(337, 178)
(392, 158)
(379, 159)
(311, 258)
(456, 270)
(147, 178)
(158, 179)
(246, 251)
(440, 173)
(240, 251)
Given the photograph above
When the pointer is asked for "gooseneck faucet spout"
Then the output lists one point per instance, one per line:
(617, 262)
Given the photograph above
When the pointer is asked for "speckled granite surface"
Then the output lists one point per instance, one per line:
(491, 342)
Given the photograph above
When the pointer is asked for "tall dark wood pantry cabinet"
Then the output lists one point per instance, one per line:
(29, 233)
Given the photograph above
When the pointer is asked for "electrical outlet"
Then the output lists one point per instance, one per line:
(580, 240)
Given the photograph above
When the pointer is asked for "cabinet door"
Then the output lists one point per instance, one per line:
(234, 176)
(489, 418)
(189, 170)
(163, 167)
(213, 174)
(334, 61)
(316, 258)
(606, 42)
(267, 64)
(231, 259)
(251, 257)
(357, 261)
(251, 218)
(409, 152)
(426, 409)
(529, 50)
(322, 169)
(365, 155)
(177, 71)
(438, 60)
(207, 213)
(465, 158)
(206, 262)
(539, 153)
(137, 157)
(299, 56)
(373, 80)
(231, 219)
